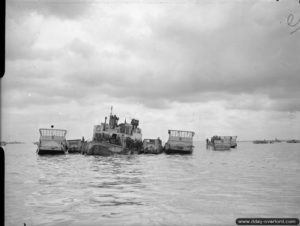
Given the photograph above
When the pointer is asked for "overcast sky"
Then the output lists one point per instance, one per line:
(213, 67)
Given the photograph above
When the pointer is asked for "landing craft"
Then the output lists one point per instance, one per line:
(114, 138)
(179, 142)
(52, 141)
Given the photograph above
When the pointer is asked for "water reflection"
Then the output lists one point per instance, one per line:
(116, 181)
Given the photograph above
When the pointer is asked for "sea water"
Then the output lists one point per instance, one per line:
(205, 188)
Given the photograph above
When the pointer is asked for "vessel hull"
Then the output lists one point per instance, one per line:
(221, 147)
(178, 151)
(72, 151)
(50, 152)
(104, 149)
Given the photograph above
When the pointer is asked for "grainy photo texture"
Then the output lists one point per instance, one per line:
(152, 112)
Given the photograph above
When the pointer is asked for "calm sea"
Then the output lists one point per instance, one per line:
(206, 188)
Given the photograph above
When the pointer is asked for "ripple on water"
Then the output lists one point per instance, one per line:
(213, 188)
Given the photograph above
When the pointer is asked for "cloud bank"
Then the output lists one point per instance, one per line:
(238, 55)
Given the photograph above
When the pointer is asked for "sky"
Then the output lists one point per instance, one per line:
(214, 67)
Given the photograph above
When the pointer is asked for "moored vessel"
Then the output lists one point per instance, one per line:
(113, 138)
(179, 142)
(221, 143)
(152, 146)
(52, 141)
(75, 145)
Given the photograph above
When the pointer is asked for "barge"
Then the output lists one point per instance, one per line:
(52, 141)
(179, 142)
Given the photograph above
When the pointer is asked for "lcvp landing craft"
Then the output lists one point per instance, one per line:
(52, 141)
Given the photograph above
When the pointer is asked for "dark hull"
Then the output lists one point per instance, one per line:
(151, 151)
(50, 152)
(73, 151)
(104, 149)
(176, 151)
(99, 150)
(216, 149)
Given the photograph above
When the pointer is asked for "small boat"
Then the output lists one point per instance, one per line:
(221, 143)
(52, 141)
(152, 146)
(74, 146)
(179, 142)
(114, 138)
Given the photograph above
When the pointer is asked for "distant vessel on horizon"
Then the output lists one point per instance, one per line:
(260, 142)
(293, 141)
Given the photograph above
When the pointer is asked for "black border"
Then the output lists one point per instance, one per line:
(2, 37)
(2, 71)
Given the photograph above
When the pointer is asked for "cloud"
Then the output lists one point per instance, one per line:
(213, 59)
(66, 9)
(82, 48)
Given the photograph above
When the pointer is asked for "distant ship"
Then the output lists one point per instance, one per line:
(260, 142)
(293, 141)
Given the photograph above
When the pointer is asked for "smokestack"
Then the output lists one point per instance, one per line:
(105, 123)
